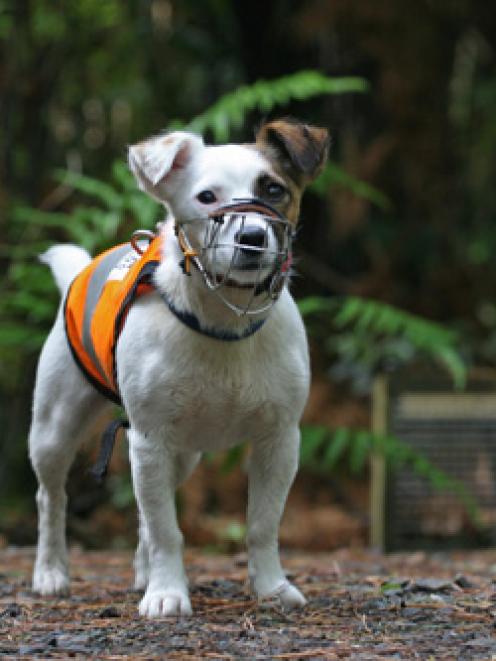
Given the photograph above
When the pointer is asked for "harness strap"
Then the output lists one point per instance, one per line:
(100, 468)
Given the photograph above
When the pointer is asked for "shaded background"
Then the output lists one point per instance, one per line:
(81, 80)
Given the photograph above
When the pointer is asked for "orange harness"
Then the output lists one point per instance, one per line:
(97, 304)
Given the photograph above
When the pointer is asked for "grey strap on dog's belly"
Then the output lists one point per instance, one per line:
(99, 470)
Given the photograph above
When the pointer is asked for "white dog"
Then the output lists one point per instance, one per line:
(213, 355)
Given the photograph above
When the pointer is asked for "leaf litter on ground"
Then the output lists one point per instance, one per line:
(362, 605)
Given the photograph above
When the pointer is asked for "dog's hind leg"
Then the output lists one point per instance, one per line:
(273, 465)
(185, 463)
(64, 408)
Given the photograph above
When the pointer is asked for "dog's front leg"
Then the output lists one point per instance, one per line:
(273, 466)
(142, 558)
(185, 463)
(153, 469)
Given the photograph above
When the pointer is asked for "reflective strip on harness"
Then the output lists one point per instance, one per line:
(93, 293)
(96, 307)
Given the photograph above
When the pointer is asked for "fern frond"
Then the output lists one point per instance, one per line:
(335, 175)
(34, 216)
(322, 449)
(230, 110)
(373, 320)
(105, 193)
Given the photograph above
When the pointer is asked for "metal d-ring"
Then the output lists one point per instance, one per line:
(138, 235)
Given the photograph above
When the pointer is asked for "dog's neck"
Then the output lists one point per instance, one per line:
(189, 294)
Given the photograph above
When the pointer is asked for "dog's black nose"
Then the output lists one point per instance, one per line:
(251, 236)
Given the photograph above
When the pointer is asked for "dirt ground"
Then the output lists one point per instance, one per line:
(362, 605)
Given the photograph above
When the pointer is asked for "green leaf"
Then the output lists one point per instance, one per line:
(29, 304)
(92, 187)
(359, 451)
(233, 458)
(17, 335)
(311, 441)
(336, 447)
(360, 443)
(234, 532)
(44, 218)
(350, 309)
(334, 175)
(455, 365)
(123, 176)
(145, 211)
(32, 277)
(313, 304)
(368, 328)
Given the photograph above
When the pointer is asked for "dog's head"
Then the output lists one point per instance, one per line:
(198, 183)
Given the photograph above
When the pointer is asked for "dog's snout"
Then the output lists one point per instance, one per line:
(251, 236)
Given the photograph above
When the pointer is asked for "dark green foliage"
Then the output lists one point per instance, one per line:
(79, 82)
(365, 336)
(335, 175)
(322, 450)
(230, 111)
(116, 208)
(362, 333)
(28, 305)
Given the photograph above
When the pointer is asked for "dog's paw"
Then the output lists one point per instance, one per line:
(164, 603)
(291, 597)
(284, 595)
(49, 580)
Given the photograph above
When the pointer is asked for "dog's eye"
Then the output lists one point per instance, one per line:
(206, 197)
(275, 191)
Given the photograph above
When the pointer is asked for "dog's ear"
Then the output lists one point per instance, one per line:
(300, 149)
(153, 160)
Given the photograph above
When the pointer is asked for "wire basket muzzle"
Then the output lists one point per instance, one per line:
(244, 255)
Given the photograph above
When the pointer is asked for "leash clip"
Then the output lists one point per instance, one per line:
(141, 235)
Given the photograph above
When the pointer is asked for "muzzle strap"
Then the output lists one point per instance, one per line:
(188, 252)
(248, 206)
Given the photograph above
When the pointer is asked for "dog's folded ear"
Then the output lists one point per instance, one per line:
(153, 160)
(300, 149)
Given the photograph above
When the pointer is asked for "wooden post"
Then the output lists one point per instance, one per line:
(378, 465)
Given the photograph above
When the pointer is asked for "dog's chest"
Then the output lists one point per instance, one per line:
(207, 394)
(214, 415)
(214, 406)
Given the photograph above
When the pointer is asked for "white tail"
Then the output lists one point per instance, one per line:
(65, 261)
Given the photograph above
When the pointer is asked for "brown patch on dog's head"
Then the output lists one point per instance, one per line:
(297, 153)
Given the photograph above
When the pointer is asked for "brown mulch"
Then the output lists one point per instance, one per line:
(362, 605)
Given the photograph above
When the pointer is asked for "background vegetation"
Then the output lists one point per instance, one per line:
(399, 229)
